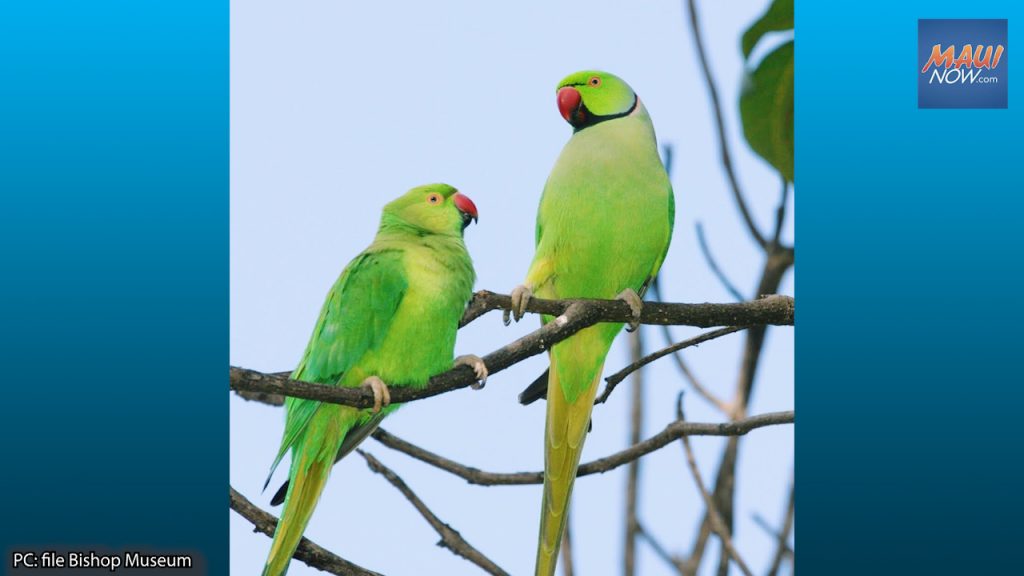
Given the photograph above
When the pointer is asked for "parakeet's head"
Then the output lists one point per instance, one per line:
(433, 208)
(590, 97)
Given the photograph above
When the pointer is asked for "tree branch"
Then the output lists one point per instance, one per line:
(775, 309)
(717, 524)
(636, 418)
(786, 551)
(671, 433)
(262, 397)
(614, 379)
(684, 368)
(723, 149)
(571, 317)
(782, 537)
(308, 551)
(450, 538)
(713, 265)
(780, 212)
(660, 550)
(566, 552)
(779, 259)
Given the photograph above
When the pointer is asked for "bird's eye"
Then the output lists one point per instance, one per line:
(595, 81)
(434, 198)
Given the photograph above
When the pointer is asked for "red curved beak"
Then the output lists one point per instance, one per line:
(466, 206)
(570, 104)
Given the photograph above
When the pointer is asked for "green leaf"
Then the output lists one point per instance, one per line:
(779, 16)
(766, 108)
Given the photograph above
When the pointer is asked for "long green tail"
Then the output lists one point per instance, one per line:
(312, 460)
(576, 366)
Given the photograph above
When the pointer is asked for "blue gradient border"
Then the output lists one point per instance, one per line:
(113, 298)
(908, 335)
(114, 249)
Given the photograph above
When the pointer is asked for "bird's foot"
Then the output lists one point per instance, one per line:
(477, 364)
(636, 305)
(381, 396)
(520, 298)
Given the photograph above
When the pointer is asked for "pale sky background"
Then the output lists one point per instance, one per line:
(339, 107)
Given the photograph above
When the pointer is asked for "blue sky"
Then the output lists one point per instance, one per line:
(336, 108)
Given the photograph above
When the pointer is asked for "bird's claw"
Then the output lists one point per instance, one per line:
(520, 298)
(478, 366)
(381, 395)
(636, 305)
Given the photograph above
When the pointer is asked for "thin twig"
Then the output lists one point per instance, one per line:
(566, 551)
(705, 249)
(571, 316)
(716, 106)
(669, 434)
(778, 261)
(636, 418)
(717, 524)
(782, 538)
(660, 550)
(450, 538)
(684, 368)
(780, 212)
(760, 521)
(775, 268)
(723, 406)
(308, 551)
(614, 379)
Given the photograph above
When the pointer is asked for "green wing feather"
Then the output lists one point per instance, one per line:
(355, 317)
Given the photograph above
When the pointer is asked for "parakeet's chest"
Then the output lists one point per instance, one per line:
(422, 339)
(440, 280)
(605, 216)
(609, 172)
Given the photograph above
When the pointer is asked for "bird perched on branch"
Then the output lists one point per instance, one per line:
(389, 320)
(603, 229)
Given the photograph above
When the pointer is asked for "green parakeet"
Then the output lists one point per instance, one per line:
(391, 318)
(603, 229)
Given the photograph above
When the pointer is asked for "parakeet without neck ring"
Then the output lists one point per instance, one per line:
(389, 320)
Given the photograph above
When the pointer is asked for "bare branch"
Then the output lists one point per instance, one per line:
(786, 551)
(713, 265)
(779, 260)
(566, 551)
(717, 524)
(308, 552)
(780, 212)
(695, 382)
(636, 418)
(450, 538)
(782, 548)
(263, 397)
(660, 550)
(775, 309)
(669, 434)
(614, 379)
(684, 368)
(572, 316)
(716, 106)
